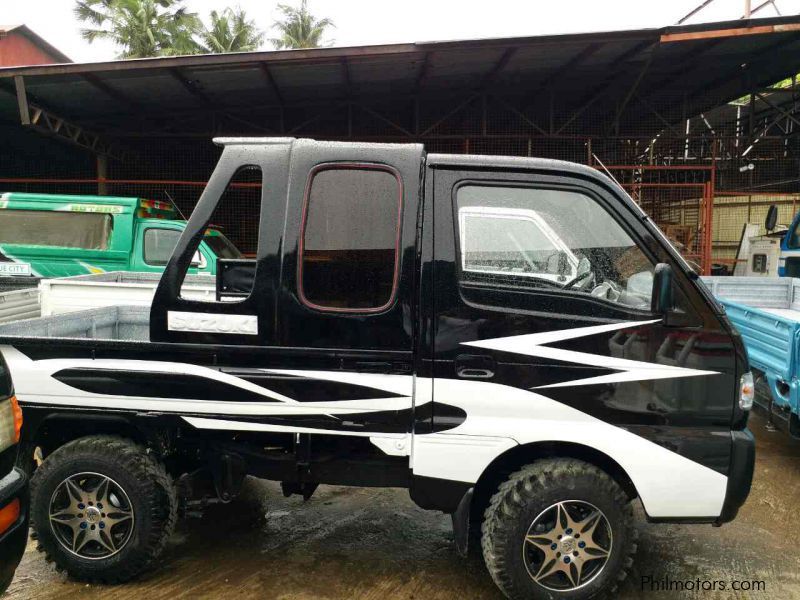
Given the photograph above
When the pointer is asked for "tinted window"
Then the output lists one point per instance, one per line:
(159, 245)
(349, 239)
(526, 237)
(87, 230)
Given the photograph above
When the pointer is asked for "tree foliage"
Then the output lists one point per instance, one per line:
(231, 31)
(141, 28)
(299, 28)
(146, 28)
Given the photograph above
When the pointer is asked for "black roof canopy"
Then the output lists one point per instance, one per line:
(683, 70)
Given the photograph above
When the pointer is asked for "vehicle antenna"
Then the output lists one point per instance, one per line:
(614, 179)
(175, 204)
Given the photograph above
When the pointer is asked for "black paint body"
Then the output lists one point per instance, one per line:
(420, 333)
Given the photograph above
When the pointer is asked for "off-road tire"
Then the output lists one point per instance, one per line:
(151, 492)
(531, 490)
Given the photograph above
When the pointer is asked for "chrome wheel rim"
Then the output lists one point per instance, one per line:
(567, 546)
(91, 516)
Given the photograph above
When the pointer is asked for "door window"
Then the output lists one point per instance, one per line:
(159, 245)
(547, 238)
(349, 239)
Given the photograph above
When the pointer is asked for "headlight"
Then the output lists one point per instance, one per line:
(10, 422)
(747, 391)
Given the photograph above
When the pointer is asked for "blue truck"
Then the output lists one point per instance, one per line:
(789, 262)
(766, 312)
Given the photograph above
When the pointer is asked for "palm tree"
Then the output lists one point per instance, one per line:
(231, 31)
(299, 28)
(141, 28)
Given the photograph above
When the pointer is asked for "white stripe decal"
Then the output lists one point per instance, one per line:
(203, 423)
(630, 370)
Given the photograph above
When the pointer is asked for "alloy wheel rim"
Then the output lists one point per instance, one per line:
(567, 545)
(91, 516)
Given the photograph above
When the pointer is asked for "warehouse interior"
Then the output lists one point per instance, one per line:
(699, 123)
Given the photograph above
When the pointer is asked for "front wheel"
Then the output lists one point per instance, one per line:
(559, 528)
(102, 508)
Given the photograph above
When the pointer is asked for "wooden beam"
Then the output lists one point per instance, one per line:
(489, 78)
(348, 88)
(424, 69)
(619, 72)
(726, 33)
(271, 83)
(632, 90)
(22, 100)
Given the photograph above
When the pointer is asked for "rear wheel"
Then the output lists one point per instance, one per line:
(559, 528)
(102, 508)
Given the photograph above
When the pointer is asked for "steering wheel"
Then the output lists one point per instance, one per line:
(586, 281)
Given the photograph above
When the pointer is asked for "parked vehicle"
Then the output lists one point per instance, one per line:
(789, 265)
(767, 314)
(511, 339)
(49, 235)
(14, 499)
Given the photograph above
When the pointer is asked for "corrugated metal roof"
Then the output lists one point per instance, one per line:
(703, 65)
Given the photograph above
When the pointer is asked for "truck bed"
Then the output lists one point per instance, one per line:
(766, 311)
(118, 323)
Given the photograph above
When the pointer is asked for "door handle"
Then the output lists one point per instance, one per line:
(470, 366)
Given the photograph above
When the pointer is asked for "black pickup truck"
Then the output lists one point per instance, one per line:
(510, 339)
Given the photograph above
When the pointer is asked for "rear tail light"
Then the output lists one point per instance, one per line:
(747, 391)
(9, 515)
(10, 422)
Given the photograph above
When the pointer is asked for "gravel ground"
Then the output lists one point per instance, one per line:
(375, 544)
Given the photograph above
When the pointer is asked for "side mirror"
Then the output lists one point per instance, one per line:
(661, 301)
(772, 218)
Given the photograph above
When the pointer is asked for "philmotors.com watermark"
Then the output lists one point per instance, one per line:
(652, 583)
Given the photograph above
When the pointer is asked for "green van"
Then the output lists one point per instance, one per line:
(54, 235)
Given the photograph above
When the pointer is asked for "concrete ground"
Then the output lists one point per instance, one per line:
(375, 544)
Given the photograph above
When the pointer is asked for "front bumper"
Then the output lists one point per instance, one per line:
(740, 475)
(13, 540)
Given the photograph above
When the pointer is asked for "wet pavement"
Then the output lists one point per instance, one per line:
(375, 544)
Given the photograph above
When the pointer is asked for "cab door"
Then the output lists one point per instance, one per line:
(155, 244)
(542, 283)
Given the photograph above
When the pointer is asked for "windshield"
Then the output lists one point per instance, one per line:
(220, 245)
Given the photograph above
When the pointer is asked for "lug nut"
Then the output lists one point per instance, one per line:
(103, 526)
(566, 559)
(553, 546)
(83, 525)
(582, 545)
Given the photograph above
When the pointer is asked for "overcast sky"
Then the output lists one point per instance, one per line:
(386, 21)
